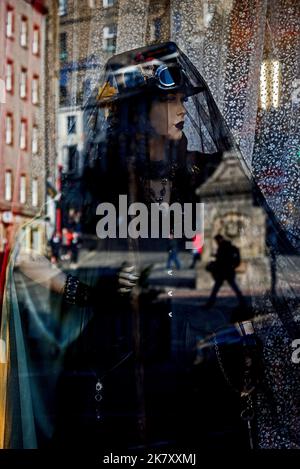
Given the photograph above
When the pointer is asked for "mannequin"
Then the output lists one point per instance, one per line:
(118, 371)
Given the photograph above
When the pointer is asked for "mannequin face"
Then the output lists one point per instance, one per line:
(167, 116)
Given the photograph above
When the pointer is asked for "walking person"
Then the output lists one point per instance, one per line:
(227, 260)
(74, 250)
(55, 244)
(173, 257)
(197, 250)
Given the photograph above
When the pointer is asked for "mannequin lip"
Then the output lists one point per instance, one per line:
(179, 125)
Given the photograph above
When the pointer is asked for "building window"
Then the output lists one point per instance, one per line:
(9, 77)
(157, 29)
(87, 88)
(9, 22)
(270, 82)
(63, 95)
(63, 52)
(23, 83)
(24, 32)
(35, 90)
(62, 8)
(72, 121)
(108, 3)
(9, 129)
(23, 135)
(36, 40)
(34, 192)
(72, 154)
(109, 38)
(22, 189)
(8, 185)
(63, 88)
(35, 140)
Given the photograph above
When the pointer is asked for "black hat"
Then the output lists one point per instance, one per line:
(155, 68)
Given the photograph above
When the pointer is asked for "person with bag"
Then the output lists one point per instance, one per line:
(223, 268)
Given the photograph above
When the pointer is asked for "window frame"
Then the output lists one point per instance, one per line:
(157, 25)
(74, 117)
(24, 20)
(10, 185)
(63, 54)
(9, 118)
(34, 192)
(107, 35)
(35, 46)
(23, 189)
(10, 11)
(23, 86)
(35, 140)
(23, 124)
(107, 4)
(62, 8)
(72, 155)
(35, 94)
(9, 65)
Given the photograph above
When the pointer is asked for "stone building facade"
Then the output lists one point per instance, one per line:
(87, 38)
(144, 23)
(230, 210)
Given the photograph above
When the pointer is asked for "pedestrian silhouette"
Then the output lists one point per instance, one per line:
(173, 258)
(223, 268)
(55, 244)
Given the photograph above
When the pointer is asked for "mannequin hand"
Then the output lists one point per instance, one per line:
(39, 269)
(127, 279)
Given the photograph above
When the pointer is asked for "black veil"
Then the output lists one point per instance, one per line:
(155, 346)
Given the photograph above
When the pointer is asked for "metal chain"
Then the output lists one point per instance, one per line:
(220, 362)
(247, 412)
(99, 384)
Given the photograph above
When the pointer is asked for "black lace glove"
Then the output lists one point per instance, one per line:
(80, 294)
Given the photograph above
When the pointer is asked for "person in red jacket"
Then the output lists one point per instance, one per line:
(197, 249)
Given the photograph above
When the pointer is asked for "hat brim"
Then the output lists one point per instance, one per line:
(186, 90)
